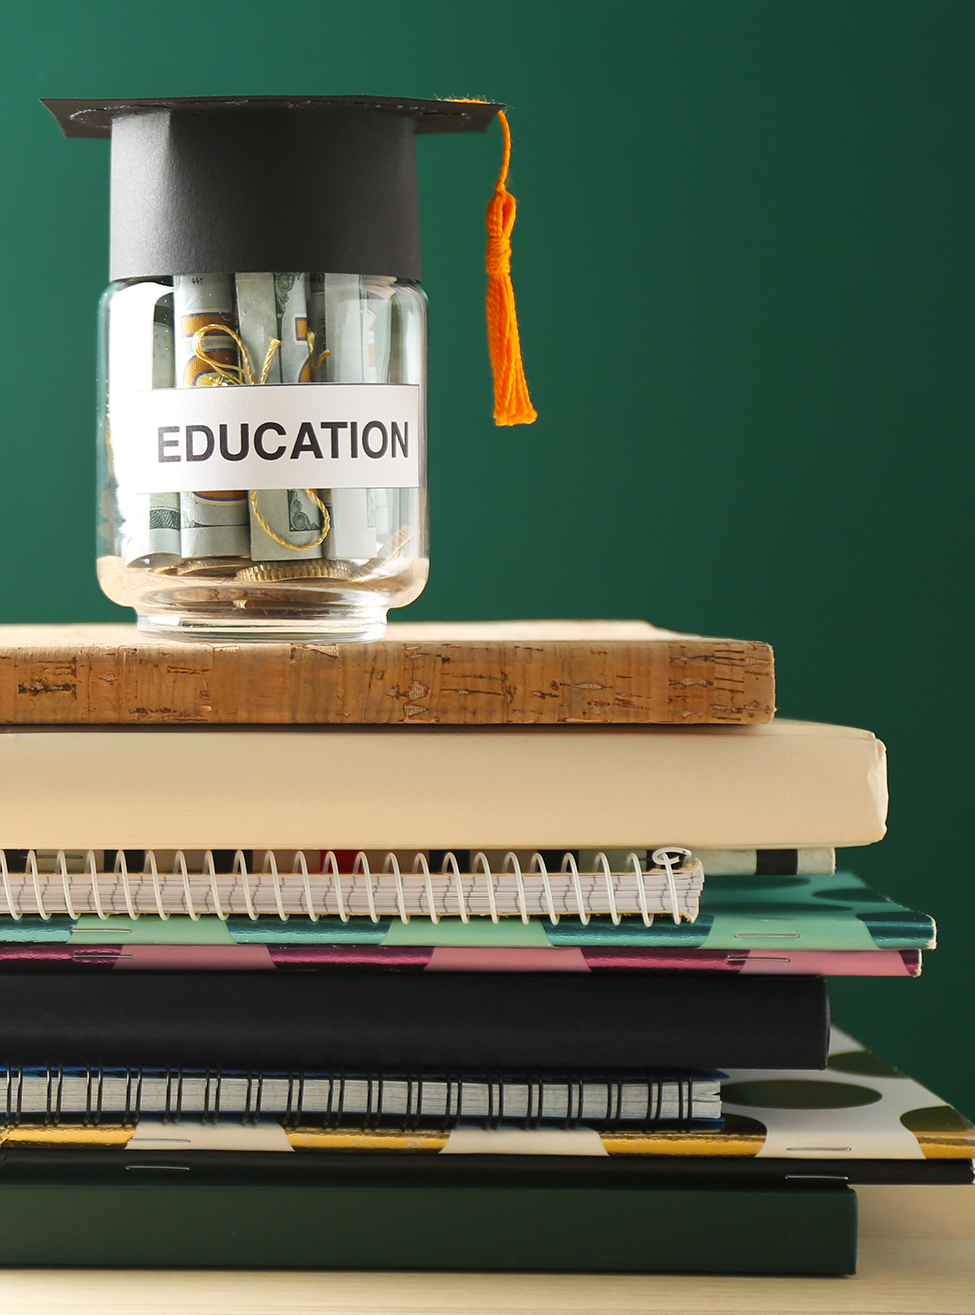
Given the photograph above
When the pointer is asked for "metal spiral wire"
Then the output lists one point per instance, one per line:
(457, 894)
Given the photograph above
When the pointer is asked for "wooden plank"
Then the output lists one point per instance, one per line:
(517, 673)
(917, 1255)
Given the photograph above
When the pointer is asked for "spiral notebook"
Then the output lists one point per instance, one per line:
(827, 923)
(51, 1105)
(549, 884)
(860, 1110)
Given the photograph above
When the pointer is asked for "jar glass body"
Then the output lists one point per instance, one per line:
(237, 414)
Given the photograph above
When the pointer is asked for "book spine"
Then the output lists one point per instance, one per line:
(766, 1229)
(357, 1021)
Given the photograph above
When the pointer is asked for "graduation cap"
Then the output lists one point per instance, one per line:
(232, 184)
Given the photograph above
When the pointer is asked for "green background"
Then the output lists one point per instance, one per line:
(743, 265)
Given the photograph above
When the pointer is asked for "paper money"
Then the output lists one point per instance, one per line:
(140, 527)
(353, 533)
(211, 524)
(292, 514)
(164, 529)
(164, 521)
(274, 306)
(214, 524)
(407, 365)
(198, 301)
(355, 314)
(257, 323)
(291, 305)
(317, 322)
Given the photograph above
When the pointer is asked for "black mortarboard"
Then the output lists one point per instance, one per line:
(223, 184)
(247, 184)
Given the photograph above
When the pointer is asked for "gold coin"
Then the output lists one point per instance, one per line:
(207, 565)
(315, 569)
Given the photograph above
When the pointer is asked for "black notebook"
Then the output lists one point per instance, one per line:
(525, 1021)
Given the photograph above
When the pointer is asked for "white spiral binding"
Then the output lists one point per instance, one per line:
(538, 865)
(332, 863)
(610, 893)
(123, 873)
(663, 859)
(666, 860)
(212, 871)
(393, 862)
(18, 914)
(149, 866)
(301, 864)
(32, 869)
(641, 885)
(511, 864)
(420, 864)
(362, 865)
(569, 864)
(271, 866)
(62, 863)
(179, 865)
(450, 861)
(240, 865)
(480, 860)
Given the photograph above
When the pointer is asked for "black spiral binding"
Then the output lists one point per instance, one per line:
(376, 1115)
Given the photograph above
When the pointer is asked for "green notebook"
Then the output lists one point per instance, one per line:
(791, 1229)
(737, 913)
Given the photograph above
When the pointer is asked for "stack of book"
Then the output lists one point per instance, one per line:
(512, 955)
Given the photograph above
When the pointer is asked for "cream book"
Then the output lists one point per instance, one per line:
(784, 785)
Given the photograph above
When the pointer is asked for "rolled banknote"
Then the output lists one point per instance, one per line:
(407, 363)
(382, 505)
(164, 519)
(317, 322)
(257, 325)
(200, 300)
(292, 515)
(275, 307)
(212, 524)
(142, 528)
(347, 333)
(291, 307)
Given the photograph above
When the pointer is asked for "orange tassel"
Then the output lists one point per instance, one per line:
(512, 404)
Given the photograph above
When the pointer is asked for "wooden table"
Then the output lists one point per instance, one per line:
(917, 1257)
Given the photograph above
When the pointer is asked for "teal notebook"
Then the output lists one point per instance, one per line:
(793, 1229)
(817, 912)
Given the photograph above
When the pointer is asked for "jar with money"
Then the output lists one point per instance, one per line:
(217, 374)
(263, 347)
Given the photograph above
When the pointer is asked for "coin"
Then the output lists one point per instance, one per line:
(208, 565)
(313, 569)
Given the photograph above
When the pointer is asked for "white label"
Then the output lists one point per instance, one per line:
(278, 436)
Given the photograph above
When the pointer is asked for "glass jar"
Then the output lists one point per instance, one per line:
(306, 389)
